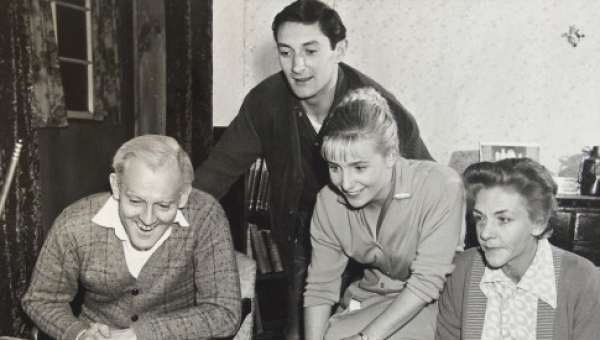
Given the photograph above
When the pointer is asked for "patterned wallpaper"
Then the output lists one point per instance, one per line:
(470, 71)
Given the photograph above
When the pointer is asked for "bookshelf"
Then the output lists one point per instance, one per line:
(247, 208)
(260, 242)
(271, 285)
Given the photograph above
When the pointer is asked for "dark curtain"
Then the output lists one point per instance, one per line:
(189, 75)
(107, 70)
(20, 227)
(49, 98)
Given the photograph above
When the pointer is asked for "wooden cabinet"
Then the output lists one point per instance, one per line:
(577, 226)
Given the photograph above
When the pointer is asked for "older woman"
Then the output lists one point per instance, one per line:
(401, 219)
(516, 285)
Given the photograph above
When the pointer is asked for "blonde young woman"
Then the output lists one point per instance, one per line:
(400, 219)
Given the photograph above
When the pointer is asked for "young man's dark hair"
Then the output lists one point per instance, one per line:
(309, 12)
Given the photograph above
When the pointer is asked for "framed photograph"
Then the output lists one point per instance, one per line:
(493, 152)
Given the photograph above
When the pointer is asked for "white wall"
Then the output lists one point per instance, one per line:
(228, 59)
(468, 70)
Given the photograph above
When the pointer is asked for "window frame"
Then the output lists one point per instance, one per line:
(77, 114)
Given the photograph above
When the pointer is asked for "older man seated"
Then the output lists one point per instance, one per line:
(155, 258)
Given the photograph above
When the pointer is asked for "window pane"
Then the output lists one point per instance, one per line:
(75, 2)
(75, 84)
(71, 31)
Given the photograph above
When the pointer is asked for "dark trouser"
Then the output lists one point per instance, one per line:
(297, 269)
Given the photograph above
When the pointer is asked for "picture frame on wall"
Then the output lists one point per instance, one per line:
(493, 152)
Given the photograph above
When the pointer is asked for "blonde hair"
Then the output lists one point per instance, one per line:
(156, 151)
(362, 114)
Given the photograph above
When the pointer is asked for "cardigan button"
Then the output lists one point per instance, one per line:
(134, 318)
(381, 285)
(135, 291)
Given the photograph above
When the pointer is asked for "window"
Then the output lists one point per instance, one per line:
(73, 28)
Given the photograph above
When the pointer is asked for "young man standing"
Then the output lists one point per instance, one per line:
(280, 120)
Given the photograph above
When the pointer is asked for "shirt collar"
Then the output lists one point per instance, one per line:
(539, 279)
(403, 182)
(108, 217)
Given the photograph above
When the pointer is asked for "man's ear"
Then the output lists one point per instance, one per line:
(114, 185)
(340, 50)
(185, 195)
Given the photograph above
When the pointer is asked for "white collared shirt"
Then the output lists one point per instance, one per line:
(108, 217)
(511, 311)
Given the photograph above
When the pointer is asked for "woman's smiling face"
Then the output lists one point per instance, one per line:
(361, 173)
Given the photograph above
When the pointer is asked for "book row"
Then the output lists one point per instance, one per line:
(257, 186)
(265, 250)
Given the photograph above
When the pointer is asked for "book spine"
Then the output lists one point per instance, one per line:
(260, 250)
(257, 317)
(254, 179)
(268, 200)
(273, 251)
(264, 180)
(249, 251)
